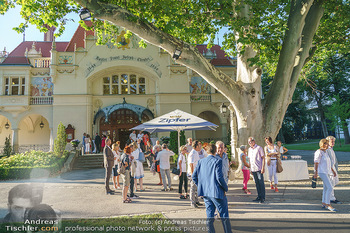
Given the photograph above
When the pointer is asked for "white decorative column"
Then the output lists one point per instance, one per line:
(15, 144)
(51, 139)
(224, 130)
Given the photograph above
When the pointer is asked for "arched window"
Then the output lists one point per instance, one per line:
(124, 84)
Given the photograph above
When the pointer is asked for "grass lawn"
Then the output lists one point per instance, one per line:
(313, 145)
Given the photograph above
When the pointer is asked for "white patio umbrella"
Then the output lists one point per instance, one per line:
(176, 120)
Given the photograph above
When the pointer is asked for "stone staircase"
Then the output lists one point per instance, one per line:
(88, 161)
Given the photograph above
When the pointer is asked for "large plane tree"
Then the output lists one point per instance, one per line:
(276, 36)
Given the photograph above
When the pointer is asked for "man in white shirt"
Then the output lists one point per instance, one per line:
(164, 165)
(133, 136)
(189, 145)
(220, 147)
(193, 159)
(334, 164)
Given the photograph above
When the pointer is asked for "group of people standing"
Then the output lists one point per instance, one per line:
(91, 145)
(254, 158)
(253, 161)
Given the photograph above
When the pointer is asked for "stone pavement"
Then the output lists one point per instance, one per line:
(81, 194)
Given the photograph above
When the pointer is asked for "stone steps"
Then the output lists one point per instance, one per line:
(88, 161)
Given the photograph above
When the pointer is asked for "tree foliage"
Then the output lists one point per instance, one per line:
(61, 140)
(7, 147)
(279, 36)
(173, 142)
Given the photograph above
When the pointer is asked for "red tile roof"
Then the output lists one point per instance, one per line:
(45, 47)
(217, 48)
(16, 61)
(221, 58)
(221, 62)
(78, 37)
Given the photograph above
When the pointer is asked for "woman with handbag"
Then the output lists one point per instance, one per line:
(116, 153)
(324, 169)
(183, 181)
(139, 172)
(272, 154)
(126, 163)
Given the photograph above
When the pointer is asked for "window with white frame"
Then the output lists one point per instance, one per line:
(15, 85)
(124, 84)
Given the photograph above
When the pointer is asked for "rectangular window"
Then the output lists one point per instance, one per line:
(124, 84)
(23, 85)
(106, 86)
(115, 86)
(142, 86)
(133, 84)
(7, 86)
(15, 86)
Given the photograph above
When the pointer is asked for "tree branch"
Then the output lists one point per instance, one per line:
(190, 56)
(277, 98)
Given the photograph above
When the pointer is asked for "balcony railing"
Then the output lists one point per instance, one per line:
(200, 98)
(42, 62)
(41, 100)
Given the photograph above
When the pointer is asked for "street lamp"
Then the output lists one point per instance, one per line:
(7, 125)
(177, 54)
(85, 14)
(41, 124)
(223, 108)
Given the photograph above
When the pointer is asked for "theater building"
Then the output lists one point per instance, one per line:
(105, 89)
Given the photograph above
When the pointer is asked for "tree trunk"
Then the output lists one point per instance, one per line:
(322, 115)
(346, 132)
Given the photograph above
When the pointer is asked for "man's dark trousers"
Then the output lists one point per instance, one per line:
(211, 204)
(259, 183)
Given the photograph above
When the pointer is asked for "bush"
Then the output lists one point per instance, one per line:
(7, 148)
(19, 166)
(174, 143)
(60, 140)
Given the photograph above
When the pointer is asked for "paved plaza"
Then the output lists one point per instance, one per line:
(81, 194)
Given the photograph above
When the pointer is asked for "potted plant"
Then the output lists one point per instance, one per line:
(75, 143)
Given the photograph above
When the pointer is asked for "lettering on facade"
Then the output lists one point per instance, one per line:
(148, 61)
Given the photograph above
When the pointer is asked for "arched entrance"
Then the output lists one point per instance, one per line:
(116, 120)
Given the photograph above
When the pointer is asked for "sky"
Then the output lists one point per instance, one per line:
(11, 39)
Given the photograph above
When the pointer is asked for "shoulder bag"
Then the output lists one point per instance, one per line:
(279, 167)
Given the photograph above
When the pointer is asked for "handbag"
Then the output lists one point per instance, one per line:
(279, 167)
(175, 171)
(121, 169)
(141, 157)
(313, 182)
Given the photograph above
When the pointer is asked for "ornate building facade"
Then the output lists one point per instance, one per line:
(100, 89)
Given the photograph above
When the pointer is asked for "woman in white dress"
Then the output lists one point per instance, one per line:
(324, 169)
(117, 154)
(139, 173)
(272, 154)
(87, 144)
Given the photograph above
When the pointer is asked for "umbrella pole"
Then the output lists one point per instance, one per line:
(178, 142)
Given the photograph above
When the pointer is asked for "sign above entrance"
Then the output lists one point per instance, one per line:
(148, 61)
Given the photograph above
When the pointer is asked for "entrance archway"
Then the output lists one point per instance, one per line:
(118, 124)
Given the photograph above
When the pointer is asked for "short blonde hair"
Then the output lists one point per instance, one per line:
(322, 142)
(114, 146)
(330, 138)
(134, 144)
(182, 148)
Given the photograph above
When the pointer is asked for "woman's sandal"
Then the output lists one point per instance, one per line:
(127, 201)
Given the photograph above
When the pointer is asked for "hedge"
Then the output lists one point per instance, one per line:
(24, 172)
(20, 166)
